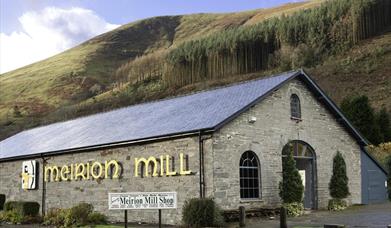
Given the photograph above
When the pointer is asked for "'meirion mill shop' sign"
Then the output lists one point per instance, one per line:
(143, 167)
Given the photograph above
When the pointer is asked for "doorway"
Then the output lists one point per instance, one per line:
(305, 159)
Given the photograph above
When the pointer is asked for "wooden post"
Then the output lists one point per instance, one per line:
(160, 218)
(126, 218)
(283, 223)
(242, 216)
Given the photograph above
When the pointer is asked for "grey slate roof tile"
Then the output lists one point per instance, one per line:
(202, 110)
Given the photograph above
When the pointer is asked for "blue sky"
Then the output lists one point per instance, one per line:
(42, 28)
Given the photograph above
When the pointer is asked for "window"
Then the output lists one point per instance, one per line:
(295, 107)
(249, 176)
(298, 149)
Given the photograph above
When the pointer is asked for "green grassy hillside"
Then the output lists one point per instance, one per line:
(99, 74)
(33, 95)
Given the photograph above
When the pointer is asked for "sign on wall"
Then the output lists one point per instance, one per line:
(29, 174)
(152, 166)
(142, 200)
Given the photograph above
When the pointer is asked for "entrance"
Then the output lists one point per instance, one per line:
(305, 159)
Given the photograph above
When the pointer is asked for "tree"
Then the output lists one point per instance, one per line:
(383, 121)
(361, 114)
(338, 185)
(291, 187)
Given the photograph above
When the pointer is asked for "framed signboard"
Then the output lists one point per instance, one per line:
(142, 200)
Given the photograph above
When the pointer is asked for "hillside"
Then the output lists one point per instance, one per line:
(29, 94)
(100, 74)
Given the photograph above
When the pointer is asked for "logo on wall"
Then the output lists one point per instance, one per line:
(29, 174)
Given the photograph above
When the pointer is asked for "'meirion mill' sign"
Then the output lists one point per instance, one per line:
(112, 169)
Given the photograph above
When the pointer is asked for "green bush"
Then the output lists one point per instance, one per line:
(78, 215)
(338, 185)
(337, 205)
(291, 187)
(11, 216)
(24, 208)
(294, 209)
(2, 201)
(55, 217)
(97, 218)
(2, 216)
(201, 212)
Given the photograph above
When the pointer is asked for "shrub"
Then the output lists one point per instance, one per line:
(201, 212)
(291, 187)
(55, 217)
(97, 218)
(337, 205)
(338, 185)
(294, 209)
(11, 216)
(78, 215)
(22, 207)
(81, 214)
(2, 201)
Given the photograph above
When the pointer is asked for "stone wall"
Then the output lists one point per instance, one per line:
(65, 194)
(266, 137)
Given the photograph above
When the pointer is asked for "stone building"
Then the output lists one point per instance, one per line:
(226, 143)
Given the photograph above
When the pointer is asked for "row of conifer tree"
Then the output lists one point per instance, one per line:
(333, 27)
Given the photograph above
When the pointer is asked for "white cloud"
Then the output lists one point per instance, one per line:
(47, 33)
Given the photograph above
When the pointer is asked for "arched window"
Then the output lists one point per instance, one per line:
(249, 175)
(298, 149)
(295, 107)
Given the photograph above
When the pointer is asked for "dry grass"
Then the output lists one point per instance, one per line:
(365, 70)
(286, 9)
(381, 152)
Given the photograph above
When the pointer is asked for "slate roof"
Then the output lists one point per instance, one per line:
(191, 113)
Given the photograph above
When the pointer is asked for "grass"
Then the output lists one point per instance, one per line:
(364, 70)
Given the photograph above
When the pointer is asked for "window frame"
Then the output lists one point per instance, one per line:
(256, 179)
(295, 107)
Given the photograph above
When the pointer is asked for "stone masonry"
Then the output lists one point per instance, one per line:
(65, 194)
(266, 137)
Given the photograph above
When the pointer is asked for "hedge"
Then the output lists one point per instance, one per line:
(24, 208)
